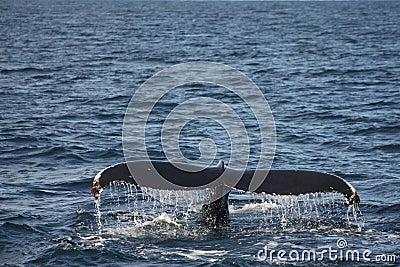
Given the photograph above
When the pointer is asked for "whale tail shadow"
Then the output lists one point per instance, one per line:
(276, 182)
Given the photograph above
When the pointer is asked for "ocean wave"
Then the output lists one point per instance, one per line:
(389, 148)
(389, 209)
(28, 70)
(386, 129)
(17, 228)
(22, 70)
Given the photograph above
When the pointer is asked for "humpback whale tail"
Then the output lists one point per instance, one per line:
(276, 182)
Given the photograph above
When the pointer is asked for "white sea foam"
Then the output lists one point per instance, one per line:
(253, 207)
(205, 255)
(163, 218)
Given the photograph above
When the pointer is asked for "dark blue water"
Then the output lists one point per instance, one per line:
(330, 72)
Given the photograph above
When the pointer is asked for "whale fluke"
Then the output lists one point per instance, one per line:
(276, 182)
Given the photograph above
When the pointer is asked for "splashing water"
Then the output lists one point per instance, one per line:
(126, 205)
(354, 214)
(139, 212)
(296, 212)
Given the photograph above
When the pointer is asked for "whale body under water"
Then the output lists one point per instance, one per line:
(276, 182)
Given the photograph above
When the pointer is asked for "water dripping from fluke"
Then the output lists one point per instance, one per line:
(285, 197)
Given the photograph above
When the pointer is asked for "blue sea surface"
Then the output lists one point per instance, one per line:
(68, 69)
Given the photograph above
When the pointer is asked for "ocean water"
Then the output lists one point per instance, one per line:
(329, 70)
